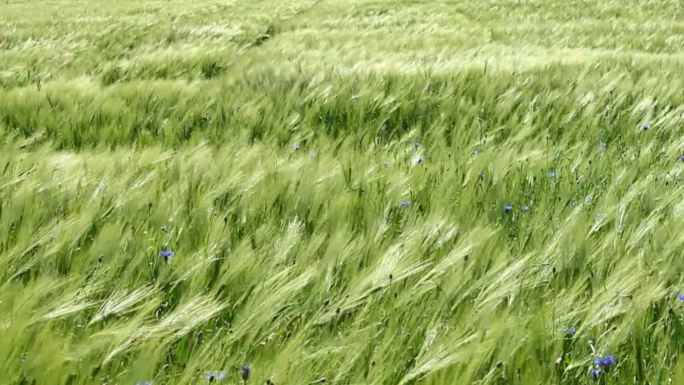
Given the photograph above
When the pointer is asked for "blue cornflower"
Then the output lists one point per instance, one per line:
(166, 254)
(598, 361)
(244, 372)
(681, 157)
(644, 126)
(507, 208)
(680, 297)
(404, 203)
(571, 330)
(215, 376)
(608, 361)
(551, 174)
(594, 373)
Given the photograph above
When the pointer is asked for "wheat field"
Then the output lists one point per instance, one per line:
(351, 192)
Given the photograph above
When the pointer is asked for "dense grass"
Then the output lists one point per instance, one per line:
(335, 180)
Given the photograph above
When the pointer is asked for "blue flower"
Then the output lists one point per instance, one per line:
(551, 174)
(296, 146)
(573, 202)
(244, 372)
(598, 361)
(608, 361)
(680, 297)
(404, 204)
(166, 254)
(681, 157)
(594, 373)
(571, 330)
(644, 126)
(215, 376)
(507, 208)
